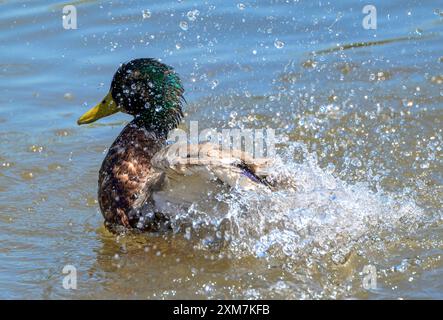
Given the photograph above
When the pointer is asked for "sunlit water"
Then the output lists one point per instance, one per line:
(358, 115)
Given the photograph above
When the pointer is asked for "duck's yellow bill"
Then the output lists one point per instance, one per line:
(105, 108)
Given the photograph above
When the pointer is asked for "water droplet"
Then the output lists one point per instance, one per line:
(330, 168)
(402, 267)
(146, 14)
(356, 162)
(309, 64)
(187, 235)
(214, 84)
(184, 25)
(279, 44)
(407, 103)
(241, 6)
(68, 96)
(424, 165)
(193, 14)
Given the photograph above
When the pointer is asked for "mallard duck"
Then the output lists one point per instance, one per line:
(142, 176)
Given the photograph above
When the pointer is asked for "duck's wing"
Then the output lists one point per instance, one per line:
(232, 167)
(195, 171)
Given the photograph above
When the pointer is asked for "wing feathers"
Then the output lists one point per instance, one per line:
(234, 167)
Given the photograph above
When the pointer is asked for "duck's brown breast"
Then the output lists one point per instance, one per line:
(126, 178)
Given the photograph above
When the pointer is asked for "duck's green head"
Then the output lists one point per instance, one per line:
(147, 89)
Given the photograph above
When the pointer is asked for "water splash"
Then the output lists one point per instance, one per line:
(312, 215)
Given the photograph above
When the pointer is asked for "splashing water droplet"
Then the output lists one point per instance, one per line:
(279, 44)
(356, 162)
(330, 168)
(193, 14)
(214, 84)
(146, 14)
(184, 25)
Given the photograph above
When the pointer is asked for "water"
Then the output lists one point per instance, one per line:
(358, 114)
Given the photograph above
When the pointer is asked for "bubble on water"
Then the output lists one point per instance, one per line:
(146, 14)
(241, 6)
(279, 44)
(193, 14)
(184, 25)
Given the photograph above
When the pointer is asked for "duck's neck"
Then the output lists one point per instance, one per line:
(151, 126)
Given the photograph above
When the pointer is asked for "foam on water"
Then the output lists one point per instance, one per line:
(312, 214)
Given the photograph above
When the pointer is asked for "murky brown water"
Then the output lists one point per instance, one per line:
(360, 129)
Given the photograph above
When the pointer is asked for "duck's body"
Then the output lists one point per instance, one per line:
(127, 178)
(141, 176)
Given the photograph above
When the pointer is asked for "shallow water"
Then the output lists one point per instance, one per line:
(359, 118)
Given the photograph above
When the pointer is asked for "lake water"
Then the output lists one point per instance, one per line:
(358, 113)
